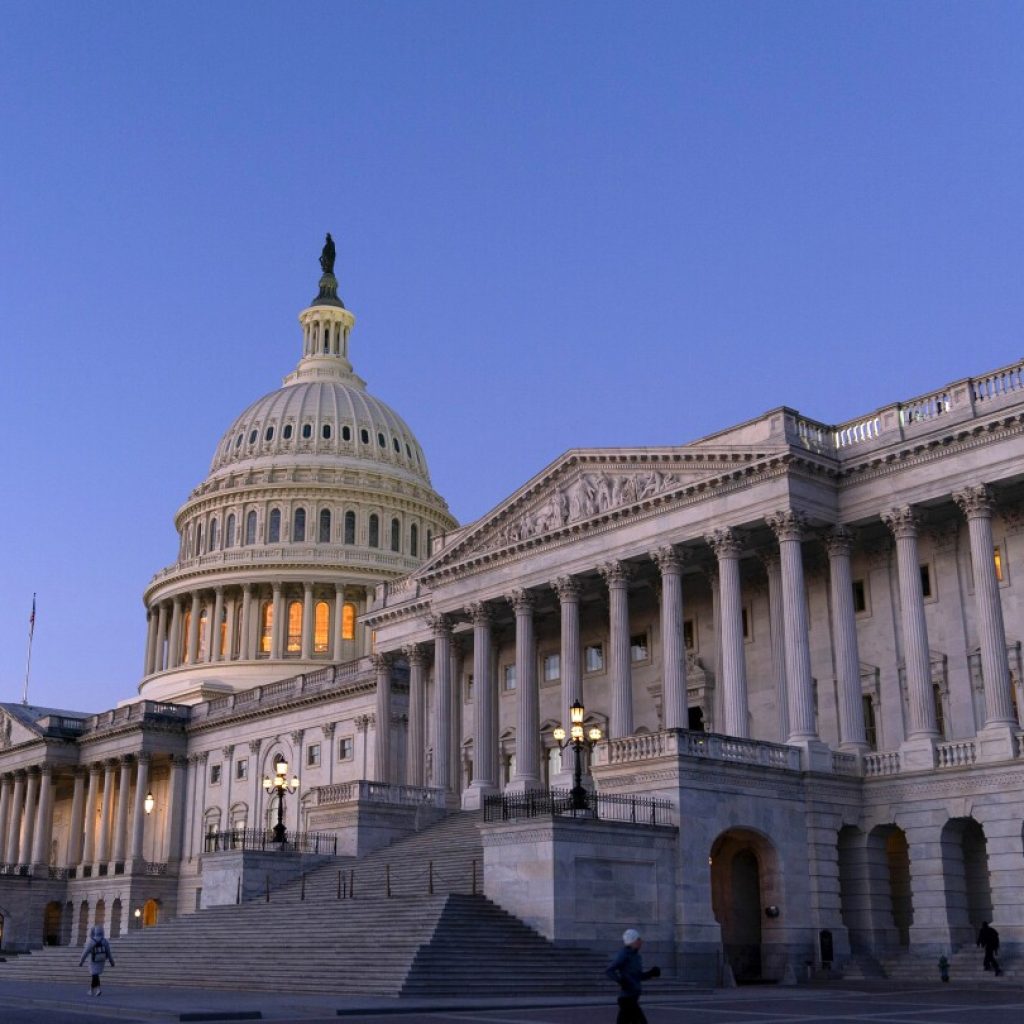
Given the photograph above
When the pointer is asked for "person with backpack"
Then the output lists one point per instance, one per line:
(97, 952)
(988, 939)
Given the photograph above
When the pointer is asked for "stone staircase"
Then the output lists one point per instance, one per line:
(964, 966)
(411, 943)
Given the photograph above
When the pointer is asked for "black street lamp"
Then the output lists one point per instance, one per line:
(577, 795)
(278, 786)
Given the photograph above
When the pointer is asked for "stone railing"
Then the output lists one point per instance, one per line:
(143, 710)
(845, 764)
(365, 791)
(686, 743)
(887, 763)
(958, 754)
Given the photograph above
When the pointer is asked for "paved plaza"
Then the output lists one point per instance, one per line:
(872, 1003)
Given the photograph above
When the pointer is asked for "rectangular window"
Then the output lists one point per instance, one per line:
(593, 658)
(313, 755)
(748, 624)
(940, 715)
(860, 597)
(242, 768)
(552, 667)
(870, 729)
(689, 635)
(926, 581)
(467, 688)
(997, 561)
(639, 649)
(346, 748)
(509, 678)
(214, 774)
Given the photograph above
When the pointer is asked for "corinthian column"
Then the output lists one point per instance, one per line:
(727, 546)
(485, 740)
(919, 748)
(151, 618)
(382, 748)
(29, 829)
(174, 644)
(13, 847)
(89, 840)
(103, 843)
(527, 774)
(215, 652)
(852, 737)
(193, 628)
(977, 503)
(278, 626)
(568, 590)
(44, 817)
(121, 814)
(139, 809)
(675, 712)
(777, 627)
(160, 651)
(245, 652)
(417, 752)
(6, 785)
(307, 621)
(617, 575)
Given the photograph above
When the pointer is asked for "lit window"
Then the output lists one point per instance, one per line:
(274, 526)
(593, 657)
(214, 774)
(346, 748)
(229, 533)
(414, 540)
(350, 527)
(242, 768)
(294, 645)
(325, 431)
(638, 648)
(348, 622)
(860, 597)
(266, 626)
(396, 535)
(552, 667)
(321, 621)
(324, 535)
(374, 531)
(250, 528)
(313, 755)
(509, 681)
(287, 432)
(346, 433)
(299, 525)
(997, 561)
(186, 625)
(307, 431)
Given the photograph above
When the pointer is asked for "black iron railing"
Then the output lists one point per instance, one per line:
(543, 803)
(257, 839)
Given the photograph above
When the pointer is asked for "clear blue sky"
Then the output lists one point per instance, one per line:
(558, 224)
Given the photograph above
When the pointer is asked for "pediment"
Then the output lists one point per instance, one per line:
(13, 732)
(582, 487)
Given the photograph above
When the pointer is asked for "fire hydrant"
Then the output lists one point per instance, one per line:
(943, 968)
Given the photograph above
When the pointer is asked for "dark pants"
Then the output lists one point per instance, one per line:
(629, 1011)
(990, 963)
(95, 983)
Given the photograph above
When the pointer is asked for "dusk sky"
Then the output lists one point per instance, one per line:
(558, 225)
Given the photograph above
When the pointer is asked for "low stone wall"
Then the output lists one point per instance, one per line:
(240, 875)
(365, 826)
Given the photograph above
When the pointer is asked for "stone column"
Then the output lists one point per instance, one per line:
(44, 817)
(458, 660)
(996, 738)
(6, 785)
(568, 590)
(918, 750)
(442, 629)
(278, 626)
(28, 830)
(193, 628)
(382, 747)
(415, 760)
(339, 612)
(485, 740)
(121, 814)
(527, 774)
(727, 546)
(245, 651)
(617, 575)
(307, 621)
(214, 652)
(176, 809)
(89, 838)
(174, 644)
(147, 666)
(17, 813)
(160, 652)
(139, 808)
(74, 848)
(232, 625)
(103, 842)
(852, 737)
(675, 707)
(776, 627)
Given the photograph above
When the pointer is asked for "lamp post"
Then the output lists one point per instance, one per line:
(577, 795)
(278, 786)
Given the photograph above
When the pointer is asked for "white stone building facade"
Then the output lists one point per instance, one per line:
(804, 639)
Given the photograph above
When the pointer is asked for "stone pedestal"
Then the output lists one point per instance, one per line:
(997, 742)
(917, 753)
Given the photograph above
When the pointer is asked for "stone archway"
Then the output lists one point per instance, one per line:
(51, 923)
(889, 887)
(745, 880)
(150, 913)
(965, 879)
(66, 923)
(83, 922)
(115, 919)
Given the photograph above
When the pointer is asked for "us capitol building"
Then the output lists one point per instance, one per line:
(800, 644)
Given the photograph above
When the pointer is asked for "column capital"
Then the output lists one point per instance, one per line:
(363, 722)
(522, 601)
(328, 729)
(567, 588)
(254, 747)
(95, 768)
(440, 624)
(480, 613)
(143, 757)
(769, 558)
(726, 542)
(228, 751)
(669, 558)
(276, 587)
(615, 573)
(787, 524)
(180, 760)
(381, 661)
(977, 502)
(903, 521)
(415, 654)
(838, 541)
(297, 735)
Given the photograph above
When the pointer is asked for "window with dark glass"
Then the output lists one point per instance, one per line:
(926, 581)
(350, 527)
(268, 434)
(346, 748)
(396, 535)
(250, 528)
(307, 431)
(325, 431)
(324, 533)
(287, 432)
(252, 436)
(870, 728)
(313, 755)
(414, 540)
(398, 448)
(638, 647)
(229, 533)
(380, 440)
(214, 534)
(374, 531)
(274, 526)
(689, 636)
(214, 774)
(346, 433)
(364, 436)
(299, 525)
(860, 596)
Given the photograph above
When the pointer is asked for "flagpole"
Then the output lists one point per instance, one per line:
(28, 660)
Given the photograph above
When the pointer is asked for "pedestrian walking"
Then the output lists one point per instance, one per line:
(97, 953)
(627, 969)
(988, 939)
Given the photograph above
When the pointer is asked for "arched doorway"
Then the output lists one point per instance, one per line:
(854, 898)
(150, 913)
(889, 889)
(66, 922)
(966, 878)
(744, 881)
(83, 922)
(115, 919)
(51, 924)
(100, 917)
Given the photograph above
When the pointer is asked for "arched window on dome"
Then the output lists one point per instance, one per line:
(398, 447)
(321, 626)
(396, 535)
(414, 540)
(229, 532)
(268, 434)
(274, 526)
(348, 621)
(186, 626)
(294, 642)
(307, 431)
(346, 433)
(250, 527)
(381, 440)
(299, 525)
(266, 628)
(214, 534)
(374, 531)
(350, 527)
(325, 431)
(324, 536)
(430, 544)
(199, 539)
(204, 632)
(364, 436)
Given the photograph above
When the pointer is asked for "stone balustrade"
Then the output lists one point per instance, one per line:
(886, 763)
(958, 754)
(365, 791)
(685, 743)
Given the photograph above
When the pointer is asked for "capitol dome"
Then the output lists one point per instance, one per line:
(316, 493)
